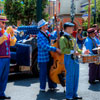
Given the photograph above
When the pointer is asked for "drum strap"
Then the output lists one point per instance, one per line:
(49, 42)
(94, 42)
(68, 38)
(46, 36)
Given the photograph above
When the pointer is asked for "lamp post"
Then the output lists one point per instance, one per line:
(72, 14)
(49, 8)
(89, 14)
(53, 7)
(39, 10)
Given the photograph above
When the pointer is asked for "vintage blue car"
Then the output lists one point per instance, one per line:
(24, 53)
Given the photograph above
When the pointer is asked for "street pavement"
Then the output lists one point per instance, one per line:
(25, 87)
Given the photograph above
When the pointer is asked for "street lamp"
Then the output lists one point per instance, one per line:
(54, 5)
(72, 14)
(39, 10)
(93, 14)
(89, 13)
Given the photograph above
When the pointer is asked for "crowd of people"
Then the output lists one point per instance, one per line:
(88, 39)
(71, 44)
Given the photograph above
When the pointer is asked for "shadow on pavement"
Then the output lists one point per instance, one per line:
(95, 87)
(51, 95)
(26, 82)
(23, 79)
(19, 76)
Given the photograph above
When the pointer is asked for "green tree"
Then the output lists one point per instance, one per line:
(97, 12)
(2, 6)
(29, 11)
(24, 10)
(13, 10)
(44, 4)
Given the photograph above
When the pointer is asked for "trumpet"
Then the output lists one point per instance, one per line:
(20, 33)
(11, 31)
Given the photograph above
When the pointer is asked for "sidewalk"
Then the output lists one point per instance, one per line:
(28, 89)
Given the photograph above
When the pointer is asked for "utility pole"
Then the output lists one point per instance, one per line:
(39, 10)
(89, 14)
(72, 14)
(53, 7)
(56, 7)
(49, 8)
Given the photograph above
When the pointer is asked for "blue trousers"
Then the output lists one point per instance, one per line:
(72, 77)
(94, 72)
(4, 71)
(44, 73)
(80, 46)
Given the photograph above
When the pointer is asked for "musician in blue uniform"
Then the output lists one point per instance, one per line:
(43, 43)
(97, 40)
(67, 43)
(91, 42)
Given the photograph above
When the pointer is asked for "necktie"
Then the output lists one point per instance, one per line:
(95, 44)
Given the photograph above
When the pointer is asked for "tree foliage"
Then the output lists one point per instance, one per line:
(13, 10)
(44, 4)
(24, 10)
(97, 11)
(29, 11)
(1, 6)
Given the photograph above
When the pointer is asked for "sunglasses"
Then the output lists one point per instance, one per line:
(3, 22)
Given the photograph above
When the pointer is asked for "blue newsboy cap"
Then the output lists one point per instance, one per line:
(69, 24)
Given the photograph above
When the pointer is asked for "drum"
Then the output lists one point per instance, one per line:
(88, 59)
(98, 60)
(95, 58)
(96, 50)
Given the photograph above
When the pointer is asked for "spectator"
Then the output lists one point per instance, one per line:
(80, 38)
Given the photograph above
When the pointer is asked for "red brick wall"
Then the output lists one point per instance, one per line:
(77, 21)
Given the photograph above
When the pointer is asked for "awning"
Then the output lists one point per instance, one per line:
(82, 11)
(85, 17)
(83, 5)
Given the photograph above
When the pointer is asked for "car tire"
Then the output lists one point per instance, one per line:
(34, 67)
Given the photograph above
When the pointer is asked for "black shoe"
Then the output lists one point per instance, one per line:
(53, 89)
(92, 82)
(78, 97)
(5, 97)
(42, 90)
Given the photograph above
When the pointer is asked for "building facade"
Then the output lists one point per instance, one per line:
(65, 10)
(51, 8)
